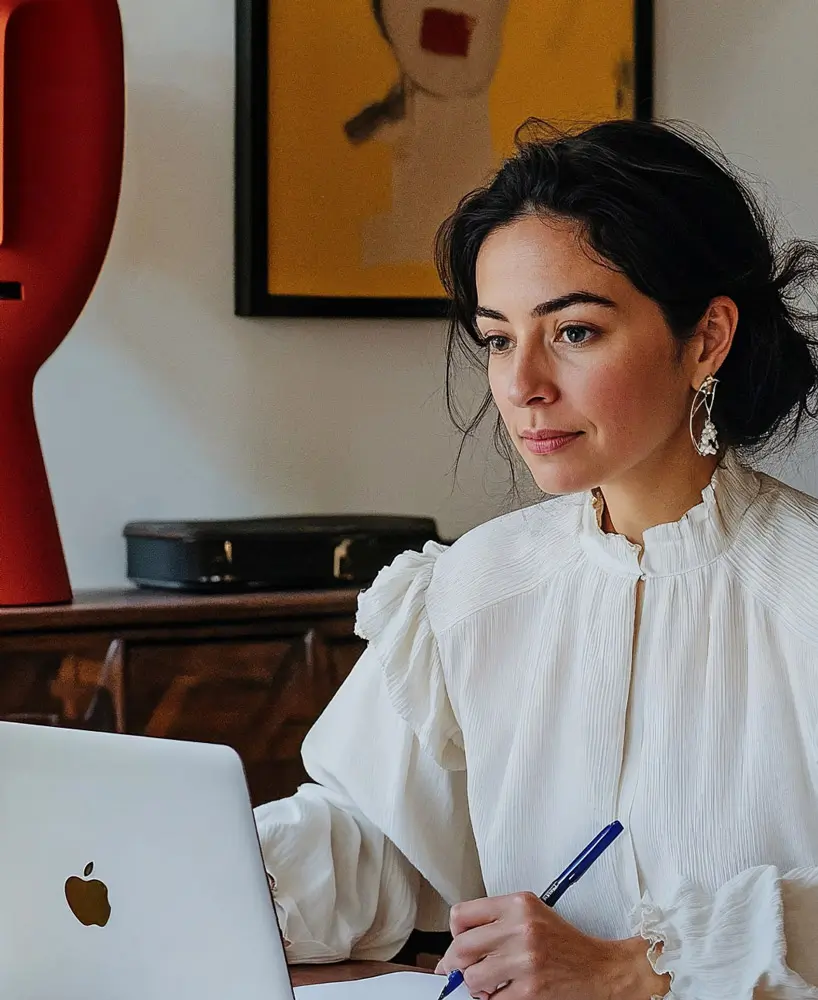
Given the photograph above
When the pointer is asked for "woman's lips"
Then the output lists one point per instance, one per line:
(446, 32)
(547, 444)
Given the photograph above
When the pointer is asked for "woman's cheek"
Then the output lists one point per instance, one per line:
(614, 395)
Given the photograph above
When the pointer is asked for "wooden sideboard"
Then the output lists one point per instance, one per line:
(249, 670)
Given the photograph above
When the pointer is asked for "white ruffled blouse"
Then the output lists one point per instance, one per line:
(511, 703)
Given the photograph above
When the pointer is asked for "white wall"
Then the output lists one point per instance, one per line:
(746, 73)
(162, 404)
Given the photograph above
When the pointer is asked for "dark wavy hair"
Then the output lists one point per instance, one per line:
(664, 208)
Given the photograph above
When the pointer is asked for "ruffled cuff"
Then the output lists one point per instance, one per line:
(303, 950)
(281, 913)
(393, 618)
(724, 944)
(649, 923)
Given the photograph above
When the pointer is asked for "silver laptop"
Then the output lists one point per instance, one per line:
(130, 869)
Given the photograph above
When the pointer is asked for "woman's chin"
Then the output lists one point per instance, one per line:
(559, 476)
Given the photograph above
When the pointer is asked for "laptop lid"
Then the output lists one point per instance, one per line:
(130, 869)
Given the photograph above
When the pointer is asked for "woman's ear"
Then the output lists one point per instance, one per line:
(715, 332)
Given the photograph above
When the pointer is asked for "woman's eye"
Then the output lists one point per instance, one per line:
(496, 343)
(576, 335)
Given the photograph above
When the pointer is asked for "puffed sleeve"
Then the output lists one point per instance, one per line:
(382, 842)
(756, 937)
(393, 618)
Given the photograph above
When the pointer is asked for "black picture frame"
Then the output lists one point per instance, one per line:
(252, 297)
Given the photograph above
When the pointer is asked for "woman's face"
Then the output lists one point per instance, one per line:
(450, 50)
(583, 368)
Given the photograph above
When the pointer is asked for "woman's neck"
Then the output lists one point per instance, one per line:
(659, 491)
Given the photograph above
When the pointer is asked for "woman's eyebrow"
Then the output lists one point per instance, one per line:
(552, 305)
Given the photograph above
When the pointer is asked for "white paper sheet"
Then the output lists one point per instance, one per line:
(395, 986)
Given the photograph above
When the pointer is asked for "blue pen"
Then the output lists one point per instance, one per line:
(573, 873)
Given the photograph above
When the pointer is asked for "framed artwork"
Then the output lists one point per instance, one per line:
(360, 124)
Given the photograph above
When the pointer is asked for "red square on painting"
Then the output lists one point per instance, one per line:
(446, 32)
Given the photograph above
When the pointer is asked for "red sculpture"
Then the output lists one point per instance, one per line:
(62, 123)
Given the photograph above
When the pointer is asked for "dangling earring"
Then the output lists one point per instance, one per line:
(708, 443)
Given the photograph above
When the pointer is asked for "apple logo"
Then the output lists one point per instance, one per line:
(88, 899)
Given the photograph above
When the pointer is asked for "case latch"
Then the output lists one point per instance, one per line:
(339, 558)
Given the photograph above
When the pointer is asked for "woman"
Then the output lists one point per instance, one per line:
(643, 647)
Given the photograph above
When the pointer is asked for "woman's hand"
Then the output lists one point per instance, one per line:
(520, 944)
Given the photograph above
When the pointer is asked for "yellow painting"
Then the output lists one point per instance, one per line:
(382, 114)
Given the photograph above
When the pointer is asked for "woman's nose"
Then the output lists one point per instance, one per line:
(532, 382)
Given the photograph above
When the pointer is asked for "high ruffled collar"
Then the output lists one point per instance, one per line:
(701, 536)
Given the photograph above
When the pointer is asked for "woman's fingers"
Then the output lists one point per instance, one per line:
(470, 947)
(519, 907)
(476, 912)
(485, 977)
(484, 927)
(473, 946)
